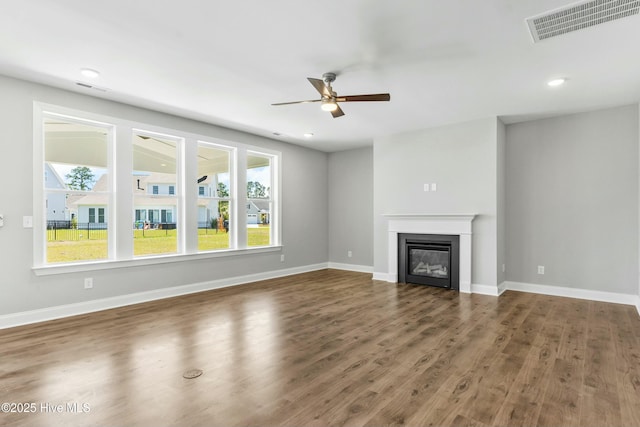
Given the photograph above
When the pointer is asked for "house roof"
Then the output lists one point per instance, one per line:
(262, 205)
(442, 61)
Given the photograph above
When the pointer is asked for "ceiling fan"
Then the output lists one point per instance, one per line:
(329, 98)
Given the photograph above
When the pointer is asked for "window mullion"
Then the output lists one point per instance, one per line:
(122, 215)
(240, 191)
(189, 192)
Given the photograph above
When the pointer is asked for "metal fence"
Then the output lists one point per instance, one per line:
(206, 226)
(152, 229)
(74, 231)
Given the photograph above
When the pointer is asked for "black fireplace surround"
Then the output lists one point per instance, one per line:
(429, 259)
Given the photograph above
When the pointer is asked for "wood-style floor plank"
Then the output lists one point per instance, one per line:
(600, 390)
(522, 405)
(330, 348)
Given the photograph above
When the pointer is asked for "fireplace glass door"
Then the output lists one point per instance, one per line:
(431, 262)
(429, 259)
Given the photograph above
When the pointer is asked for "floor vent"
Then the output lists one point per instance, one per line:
(192, 373)
(579, 16)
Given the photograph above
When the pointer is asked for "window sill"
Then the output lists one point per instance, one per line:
(48, 270)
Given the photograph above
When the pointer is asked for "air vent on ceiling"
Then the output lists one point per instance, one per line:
(88, 86)
(579, 16)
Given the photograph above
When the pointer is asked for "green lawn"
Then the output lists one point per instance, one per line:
(68, 247)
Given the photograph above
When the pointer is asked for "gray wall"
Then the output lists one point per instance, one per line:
(351, 207)
(304, 213)
(572, 200)
(462, 160)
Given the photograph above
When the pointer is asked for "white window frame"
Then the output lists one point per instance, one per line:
(41, 112)
(232, 151)
(120, 244)
(179, 188)
(274, 194)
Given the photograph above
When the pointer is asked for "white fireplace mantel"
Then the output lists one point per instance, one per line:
(453, 224)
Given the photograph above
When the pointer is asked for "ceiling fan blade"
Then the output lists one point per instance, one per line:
(320, 86)
(360, 98)
(337, 112)
(297, 102)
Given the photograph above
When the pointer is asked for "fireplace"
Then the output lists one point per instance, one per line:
(457, 224)
(429, 259)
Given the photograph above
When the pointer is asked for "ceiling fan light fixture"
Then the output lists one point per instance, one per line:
(329, 106)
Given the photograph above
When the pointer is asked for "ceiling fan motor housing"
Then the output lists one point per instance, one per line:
(329, 77)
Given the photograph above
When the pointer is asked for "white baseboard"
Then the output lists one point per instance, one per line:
(57, 312)
(385, 277)
(502, 287)
(486, 289)
(562, 291)
(351, 267)
(638, 304)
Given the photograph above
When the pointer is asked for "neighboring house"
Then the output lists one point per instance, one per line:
(154, 202)
(258, 212)
(91, 208)
(207, 208)
(56, 203)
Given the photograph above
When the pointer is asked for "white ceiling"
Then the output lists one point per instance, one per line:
(225, 62)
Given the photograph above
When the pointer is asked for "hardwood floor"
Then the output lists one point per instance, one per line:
(330, 348)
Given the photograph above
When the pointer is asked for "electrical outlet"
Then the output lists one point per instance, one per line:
(426, 187)
(1, 220)
(541, 269)
(88, 282)
(282, 258)
(434, 187)
(349, 254)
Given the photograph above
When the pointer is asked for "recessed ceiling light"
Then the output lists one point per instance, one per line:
(556, 82)
(89, 73)
(308, 135)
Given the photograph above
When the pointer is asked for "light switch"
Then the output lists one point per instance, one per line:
(1, 220)
(426, 187)
(434, 187)
(27, 221)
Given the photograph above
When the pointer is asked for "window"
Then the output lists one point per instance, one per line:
(75, 177)
(78, 189)
(260, 202)
(214, 197)
(155, 160)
